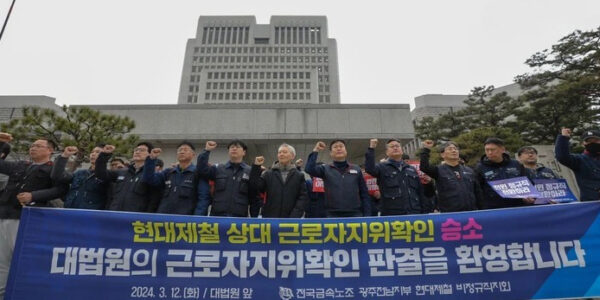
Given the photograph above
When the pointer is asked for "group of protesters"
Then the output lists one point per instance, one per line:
(284, 190)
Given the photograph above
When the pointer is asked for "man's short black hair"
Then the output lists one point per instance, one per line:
(336, 141)
(494, 140)
(51, 144)
(446, 145)
(525, 148)
(393, 140)
(119, 160)
(147, 144)
(100, 145)
(237, 142)
(187, 143)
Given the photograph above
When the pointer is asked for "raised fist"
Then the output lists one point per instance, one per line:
(210, 145)
(69, 150)
(259, 160)
(373, 143)
(108, 149)
(320, 146)
(566, 132)
(155, 153)
(428, 144)
(5, 137)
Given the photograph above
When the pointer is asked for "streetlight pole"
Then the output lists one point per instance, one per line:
(7, 16)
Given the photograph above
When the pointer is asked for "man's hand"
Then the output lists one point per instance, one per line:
(259, 160)
(566, 132)
(69, 151)
(373, 143)
(529, 200)
(155, 153)
(377, 195)
(320, 146)
(428, 144)
(108, 149)
(299, 162)
(5, 137)
(210, 146)
(24, 198)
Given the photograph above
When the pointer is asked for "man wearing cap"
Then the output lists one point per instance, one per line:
(496, 164)
(528, 157)
(457, 186)
(586, 166)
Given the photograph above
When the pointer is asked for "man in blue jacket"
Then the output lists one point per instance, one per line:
(182, 189)
(586, 166)
(346, 192)
(399, 183)
(87, 191)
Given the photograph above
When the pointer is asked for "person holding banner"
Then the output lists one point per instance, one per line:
(29, 184)
(182, 189)
(128, 192)
(399, 183)
(586, 166)
(86, 190)
(346, 192)
(284, 184)
(496, 165)
(457, 186)
(233, 194)
(528, 156)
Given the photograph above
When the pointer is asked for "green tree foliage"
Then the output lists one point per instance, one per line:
(563, 90)
(82, 127)
(471, 143)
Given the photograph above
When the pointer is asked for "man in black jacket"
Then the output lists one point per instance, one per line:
(284, 184)
(457, 186)
(29, 184)
(128, 192)
(233, 194)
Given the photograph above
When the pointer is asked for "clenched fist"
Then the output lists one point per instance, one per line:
(259, 160)
(69, 150)
(320, 146)
(108, 149)
(566, 132)
(155, 153)
(5, 137)
(210, 145)
(428, 144)
(373, 143)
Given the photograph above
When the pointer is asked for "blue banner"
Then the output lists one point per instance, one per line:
(517, 187)
(553, 190)
(518, 253)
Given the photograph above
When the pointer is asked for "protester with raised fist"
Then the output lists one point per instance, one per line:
(181, 186)
(284, 185)
(233, 196)
(399, 184)
(86, 191)
(456, 184)
(586, 165)
(346, 192)
(128, 192)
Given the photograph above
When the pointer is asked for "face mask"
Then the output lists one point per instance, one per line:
(593, 148)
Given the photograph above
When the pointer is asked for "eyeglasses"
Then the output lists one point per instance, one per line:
(140, 149)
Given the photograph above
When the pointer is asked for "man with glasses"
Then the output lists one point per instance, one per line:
(233, 195)
(528, 156)
(181, 187)
(399, 184)
(128, 192)
(29, 184)
(457, 186)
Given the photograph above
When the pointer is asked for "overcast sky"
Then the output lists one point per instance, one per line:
(131, 51)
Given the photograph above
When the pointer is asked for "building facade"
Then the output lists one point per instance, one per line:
(233, 60)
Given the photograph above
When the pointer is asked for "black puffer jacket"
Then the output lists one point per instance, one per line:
(284, 199)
